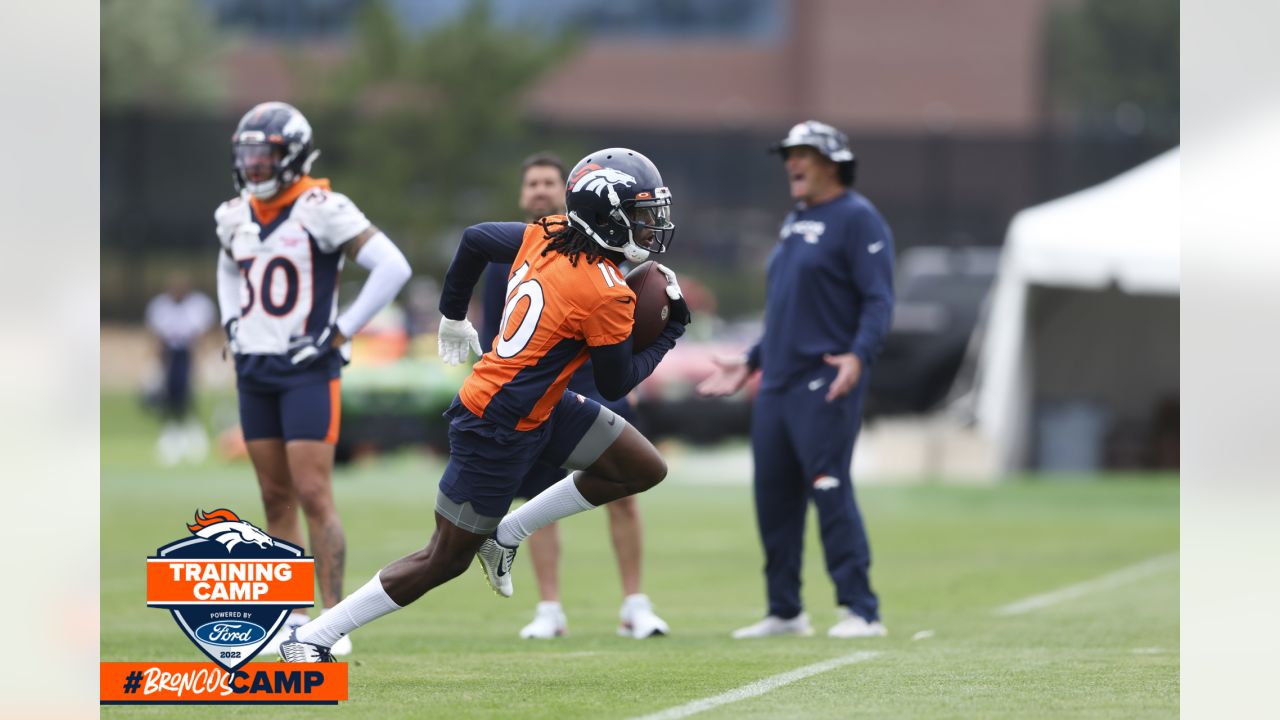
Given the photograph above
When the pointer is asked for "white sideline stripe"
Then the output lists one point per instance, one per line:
(1105, 582)
(759, 687)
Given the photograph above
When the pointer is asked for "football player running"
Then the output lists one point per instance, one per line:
(542, 188)
(284, 240)
(566, 301)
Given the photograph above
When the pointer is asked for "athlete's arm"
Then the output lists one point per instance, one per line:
(494, 297)
(870, 254)
(617, 370)
(388, 272)
(228, 287)
(481, 244)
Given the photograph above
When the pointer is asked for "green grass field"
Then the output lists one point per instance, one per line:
(945, 559)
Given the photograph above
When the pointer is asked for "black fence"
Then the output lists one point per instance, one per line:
(161, 178)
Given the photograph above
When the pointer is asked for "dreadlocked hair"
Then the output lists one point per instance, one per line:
(570, 241)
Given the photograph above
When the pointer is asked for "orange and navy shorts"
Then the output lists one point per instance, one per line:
(487, 462)
(311, 411)
(543, 475)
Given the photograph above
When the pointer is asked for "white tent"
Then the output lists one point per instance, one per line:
(1084, 309)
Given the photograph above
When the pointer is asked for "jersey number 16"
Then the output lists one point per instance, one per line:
(508, 346)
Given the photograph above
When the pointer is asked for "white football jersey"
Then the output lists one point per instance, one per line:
(289, 267)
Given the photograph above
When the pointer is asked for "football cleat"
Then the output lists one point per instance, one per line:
(638, 619)
(294, 650)
(548, 622)
(495, 560)
(773, 626)
(295, 620)
(855, 626)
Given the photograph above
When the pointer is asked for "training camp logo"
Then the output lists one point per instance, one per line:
(229, 585)
(596, 179)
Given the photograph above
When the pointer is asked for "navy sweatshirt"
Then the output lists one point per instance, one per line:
(830, 290)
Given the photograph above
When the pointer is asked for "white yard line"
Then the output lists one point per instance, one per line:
(1117, 578)
(760, 687)
(1120, 577)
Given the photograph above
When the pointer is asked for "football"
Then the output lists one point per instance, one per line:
(652, 305)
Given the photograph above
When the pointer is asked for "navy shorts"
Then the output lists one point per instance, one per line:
(304, 412)
(487, 462)
(543, 476)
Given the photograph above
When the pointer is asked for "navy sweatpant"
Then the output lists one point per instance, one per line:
(177, 382)
(803, 448)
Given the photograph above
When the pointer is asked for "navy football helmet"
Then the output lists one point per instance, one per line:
(271, 149)
(830, 142)
(617, 198)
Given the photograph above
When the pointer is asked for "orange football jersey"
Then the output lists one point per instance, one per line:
(554, 311)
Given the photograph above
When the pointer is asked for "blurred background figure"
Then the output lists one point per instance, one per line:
(542, 188)
(830, 302)
(177, 318)
(284, 238)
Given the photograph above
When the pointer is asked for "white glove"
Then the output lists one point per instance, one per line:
(679, 308)
(673, 286)
(307, 349)
(232, 348)
(456, 338)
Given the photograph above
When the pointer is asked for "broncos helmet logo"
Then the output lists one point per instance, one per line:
(226, 527)
(597, 180)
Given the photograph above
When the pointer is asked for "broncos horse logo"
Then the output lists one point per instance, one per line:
(600, 178)
(226, 527)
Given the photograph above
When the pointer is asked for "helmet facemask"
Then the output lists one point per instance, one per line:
(257, 166)
(265, 166)
(646, 222)
(649, 226)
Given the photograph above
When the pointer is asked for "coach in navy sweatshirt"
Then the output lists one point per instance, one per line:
(828, 308)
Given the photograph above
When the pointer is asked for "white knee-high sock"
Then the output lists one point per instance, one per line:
(359, 608)
(558, 501)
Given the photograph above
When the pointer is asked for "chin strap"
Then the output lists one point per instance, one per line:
(586, 227)
(306, 165)
(264, 190)
(634, 253)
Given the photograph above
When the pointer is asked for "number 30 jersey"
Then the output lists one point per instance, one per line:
(289, 250)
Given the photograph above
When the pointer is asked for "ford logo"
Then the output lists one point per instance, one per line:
(230, 633)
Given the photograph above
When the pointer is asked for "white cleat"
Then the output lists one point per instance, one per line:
(293, 650)
(496, 561)
(195, 442)
(638, 619)
(855, 626)
(171, 447)
(548, 622)
(295, 620)
(773, 626)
